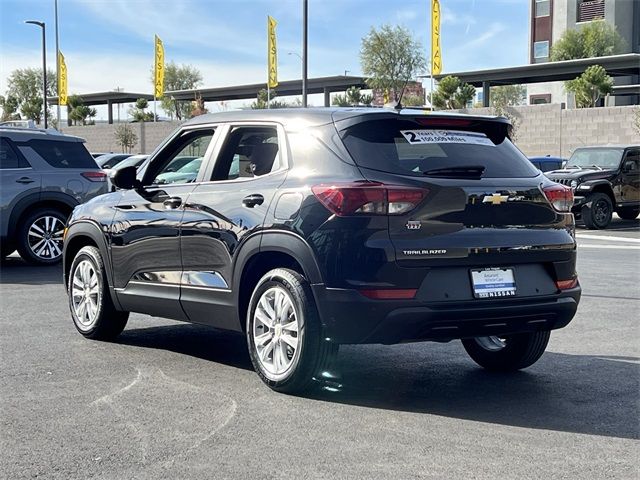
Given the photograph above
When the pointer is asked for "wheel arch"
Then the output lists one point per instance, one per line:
(82, 234)
(603, 186)
(265, 252)
(28, 204)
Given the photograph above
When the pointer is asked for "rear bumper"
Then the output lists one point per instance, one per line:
(349, 317)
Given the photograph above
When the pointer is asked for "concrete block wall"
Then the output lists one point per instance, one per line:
(543, 129)
(101, 137)
(550, 130)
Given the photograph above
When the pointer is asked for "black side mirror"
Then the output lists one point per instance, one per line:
(125, 178)
(628, 166)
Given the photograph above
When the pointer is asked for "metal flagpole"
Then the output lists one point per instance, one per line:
(57, 66)
(431, 67)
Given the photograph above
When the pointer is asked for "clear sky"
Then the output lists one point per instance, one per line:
(109, 43)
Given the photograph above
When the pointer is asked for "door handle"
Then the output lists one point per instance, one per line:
(25, 180)
(253, 200)
(172, 203)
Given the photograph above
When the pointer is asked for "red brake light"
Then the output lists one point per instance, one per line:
(95, 176)
(390, 294)
(567, 284)
(444, 122)
(560, 197)
(368, 198)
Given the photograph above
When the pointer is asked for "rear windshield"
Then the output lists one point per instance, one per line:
(62, 154)
(408, 148)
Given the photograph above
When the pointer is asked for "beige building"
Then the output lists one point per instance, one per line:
(549, 19)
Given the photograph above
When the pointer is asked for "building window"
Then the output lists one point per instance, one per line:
(540, 99)
(543, 8)
(589, 10)
(541, 49)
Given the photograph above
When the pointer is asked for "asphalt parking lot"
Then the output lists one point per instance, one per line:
(172, 400)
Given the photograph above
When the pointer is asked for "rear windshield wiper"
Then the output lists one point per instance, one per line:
(466, 171)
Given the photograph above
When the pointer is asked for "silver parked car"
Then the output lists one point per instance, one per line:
(43, 176)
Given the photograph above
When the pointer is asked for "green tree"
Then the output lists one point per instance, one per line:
(594, 39)
(126, 137)
(451, 94)
(589, 87)
(412, 101)
(390, 57)
(508, 95)
(138, 113)
(352, 97)
(24, 86)
(261, 100)
(9, 106)
(178, 77)
(79, 112)
(340, 100)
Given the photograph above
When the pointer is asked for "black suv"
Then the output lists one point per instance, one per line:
(603, 179)
(306, 229)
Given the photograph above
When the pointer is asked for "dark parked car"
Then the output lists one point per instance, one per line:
(307, 229)
(110, 160)
(43, 176)
(605, 179)
(547, 163)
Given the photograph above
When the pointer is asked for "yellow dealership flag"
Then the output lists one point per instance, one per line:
(436, 53)
(158, 70)
(272, 81)
(62, 80)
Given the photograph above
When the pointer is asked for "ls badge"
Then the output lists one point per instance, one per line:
(414, 225)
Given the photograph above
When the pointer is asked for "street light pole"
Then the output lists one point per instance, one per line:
(305, 25)
(44, 68)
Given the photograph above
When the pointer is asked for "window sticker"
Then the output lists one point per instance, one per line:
(446, 136)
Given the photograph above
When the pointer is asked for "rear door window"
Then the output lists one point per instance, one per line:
(62, 154)
(9, 157)
(408, 148)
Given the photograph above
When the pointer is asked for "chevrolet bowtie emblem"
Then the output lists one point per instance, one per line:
(495, 199)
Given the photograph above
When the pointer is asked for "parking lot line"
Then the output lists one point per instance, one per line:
(619, 247)
(607, 237)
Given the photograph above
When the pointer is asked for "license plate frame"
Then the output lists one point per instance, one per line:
(493, 282)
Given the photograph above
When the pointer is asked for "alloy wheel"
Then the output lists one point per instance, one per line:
(85, 294)
(275, 331)
(45, 237)
(601, 211)
(492, 343)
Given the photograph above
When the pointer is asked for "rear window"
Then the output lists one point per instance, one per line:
(61, 154)
(405, 147)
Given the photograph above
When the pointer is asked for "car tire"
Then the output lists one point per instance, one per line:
(40, 236)
(509, 353)
(598, 211)
(628, 213)
(99, 319)
(284, 333)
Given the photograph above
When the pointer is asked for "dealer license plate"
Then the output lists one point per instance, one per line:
(493, 282)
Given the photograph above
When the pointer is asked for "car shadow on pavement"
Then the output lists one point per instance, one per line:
(198, 341)
(14, 270)
(591, 394)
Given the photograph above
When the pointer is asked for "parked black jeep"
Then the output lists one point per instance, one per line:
(604, 179)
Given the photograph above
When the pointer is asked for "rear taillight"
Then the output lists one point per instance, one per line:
(560, 197)
(368, 198)
(567, 284)
(95, 176)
